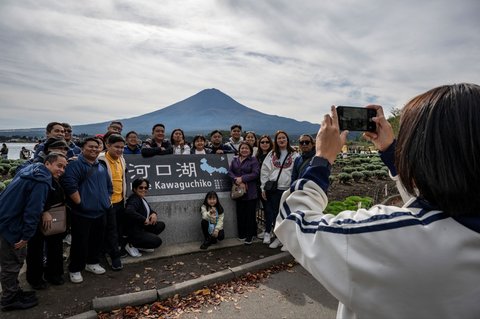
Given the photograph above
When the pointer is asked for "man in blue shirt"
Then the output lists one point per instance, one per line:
(88, 188)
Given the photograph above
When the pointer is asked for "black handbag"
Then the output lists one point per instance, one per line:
(272, 186)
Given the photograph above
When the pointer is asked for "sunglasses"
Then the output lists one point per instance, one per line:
(68, 131)
(304, 142)
(142, 187)
(264, 142)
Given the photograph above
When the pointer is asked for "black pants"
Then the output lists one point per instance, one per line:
(147, 236)
(40, 246)
(113, 237)
(207, 236)
(246, 218)
(11, 261)
(87, 237)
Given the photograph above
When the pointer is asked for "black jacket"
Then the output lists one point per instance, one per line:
(136, 213)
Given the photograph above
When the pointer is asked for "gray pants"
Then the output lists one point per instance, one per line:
(11, 261)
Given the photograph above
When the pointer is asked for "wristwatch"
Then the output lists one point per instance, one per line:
(320, 161)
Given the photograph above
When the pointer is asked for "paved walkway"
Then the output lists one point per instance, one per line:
(288, 294)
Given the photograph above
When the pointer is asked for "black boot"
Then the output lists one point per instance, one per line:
(20, 301)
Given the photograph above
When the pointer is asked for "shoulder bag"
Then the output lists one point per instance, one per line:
(272, 186)
(59, 221)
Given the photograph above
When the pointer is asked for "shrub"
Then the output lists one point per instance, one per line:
(370, 167)
(356, 161)
(350, 203)
(367, 175)
(332, 179)
(7, 181)
(357, 176)
(348, 169)
(12, 170)
(380, 174)
(2, 186)
(365, 159)
(344, 177)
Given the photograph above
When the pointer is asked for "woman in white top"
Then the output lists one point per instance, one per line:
(251, 138)
(277, 166)
(180, 146)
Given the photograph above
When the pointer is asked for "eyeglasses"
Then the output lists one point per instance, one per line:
(304, 142)
(68, 131)
(264, 142)
(142, 187)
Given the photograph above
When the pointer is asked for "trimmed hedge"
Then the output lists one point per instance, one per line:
(350, 203)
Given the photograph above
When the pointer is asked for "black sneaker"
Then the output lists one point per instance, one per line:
(123, 253)
(117, 264)
(248, 241)
(19, 302)
(205, 245)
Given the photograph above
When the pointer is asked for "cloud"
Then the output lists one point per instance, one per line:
(92, 61)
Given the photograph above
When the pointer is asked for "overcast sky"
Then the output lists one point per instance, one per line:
(95, 60)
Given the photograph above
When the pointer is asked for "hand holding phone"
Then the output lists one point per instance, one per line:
(353, 118)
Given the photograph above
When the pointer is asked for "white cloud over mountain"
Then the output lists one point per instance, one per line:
(91, 61)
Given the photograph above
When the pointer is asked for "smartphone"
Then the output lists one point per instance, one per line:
(354, 118)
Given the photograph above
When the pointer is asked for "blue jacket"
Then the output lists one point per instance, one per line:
(94, 185)
(22, 203)
(299, 167)
(74, 150)
(128, 150)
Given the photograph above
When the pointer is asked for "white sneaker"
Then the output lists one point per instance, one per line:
(95, 268)
(276, 243)
(132, 251)
(76, 277)
(261, 235)
(266, 238)
(147, 250)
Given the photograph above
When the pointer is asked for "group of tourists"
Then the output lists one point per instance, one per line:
(90, 181)
(415, 261)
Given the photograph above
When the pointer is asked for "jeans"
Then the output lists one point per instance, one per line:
(272, 208)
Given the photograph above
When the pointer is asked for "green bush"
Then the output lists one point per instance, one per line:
(7, 181)
(356, 161)
(380, 174)
(350, 203)
(332, 179)
(348, 169)
(344, 177)
(2, 186)
(12, 170)
(357, 176)
(367, 175)
(370, 167)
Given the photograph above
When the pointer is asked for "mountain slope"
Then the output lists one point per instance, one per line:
(201, 113)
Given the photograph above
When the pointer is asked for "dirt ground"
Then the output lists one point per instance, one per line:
(70, 299)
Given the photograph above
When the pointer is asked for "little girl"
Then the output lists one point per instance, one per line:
(199, 143)
(212, 220)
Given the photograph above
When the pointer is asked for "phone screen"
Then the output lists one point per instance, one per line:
(356, 118)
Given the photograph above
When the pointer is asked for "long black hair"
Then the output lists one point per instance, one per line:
(218, 206)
